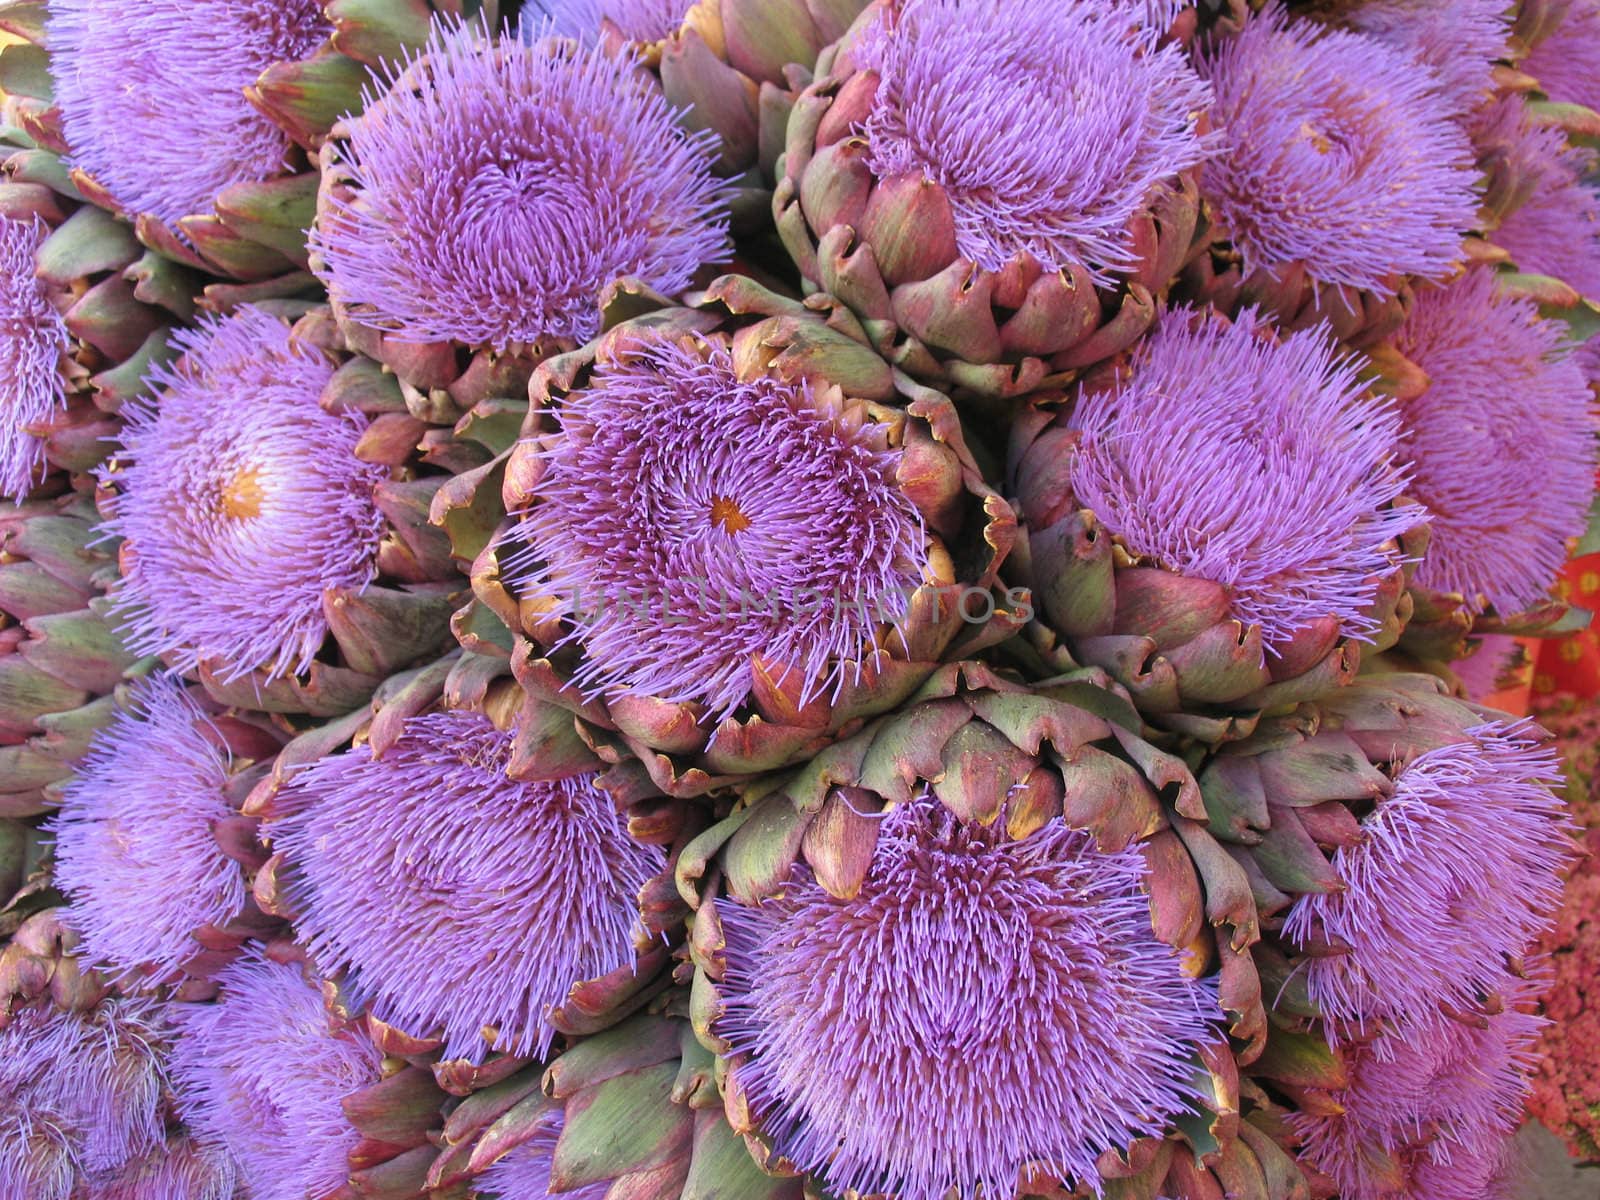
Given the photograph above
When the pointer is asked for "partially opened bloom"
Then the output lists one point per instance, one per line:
(1556, 231)
(451, 896)
(134, 842)
(1501, 443)
(978, 1004)
(1257, 463)
(1486, 669)
(160, 136)
(1341, 156)
(1459, 39)
(636, 20)
(1457, 869)
(261, 1072)
(1567, 62)
(497, 189)
(33, 343)
(241, 502)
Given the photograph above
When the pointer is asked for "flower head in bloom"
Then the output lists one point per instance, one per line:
(410, 871)
(242, 503)
(990, 1002)
(1049, 123)
(1460, 39)
(1458, 868)
(496, 190)
(1341, 155)
(134, 844)
(524, 1174)
(693, 520)
(1501, 443)
(636, 20)
(1257, 463)
(261, 1072)
(33, 339)
(1482, 672)
(1567, 62)
(178, 1169)
(82, 1094)
(162, 137)
(1556, 231)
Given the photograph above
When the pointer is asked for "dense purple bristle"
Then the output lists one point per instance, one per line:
(1049, 123)
(1457, 869)
(524, 1173)
(33, 341)
(1459, 39)
(1340, 155)
(1556, 231)
(243, 501)
(178, 1169)
(135, 848)
(1483, 671)
(972, 979)
(409, 871)
(161, 136)
(1567, 63)
(1260, 464)
(637, 20)
(1501, 443)
(689, 521)
(499, 190)
(261, 1072)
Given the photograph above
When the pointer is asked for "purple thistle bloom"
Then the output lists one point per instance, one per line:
(242, 503)
(524, 1173)
(82, 1094)
(1567, 63)
(1459, 39)
(637, 20)
(1501, 443)
(32, 346)
(1260, 464)
(161, 136)
(135, 849)
(1480, 673)
(261, 1072)
(410, 871)
(1587, 356)
(1556, 231)
(1458, 868)
(691, 521)
(979, 1005)
(1049, 123)
(500, 188)
(179, 1169)
(1341, 155)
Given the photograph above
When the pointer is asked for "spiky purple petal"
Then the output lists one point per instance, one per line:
(261, 1072)
(1049, 123)
(242, 503)
(1556, 231)
(1567, 62)
(1482, 671)
(524, 1174)
(1340, 155)
(33, 341)
(1501, 443)
(501, 188)
(636, 20)
(135, 848)
(409, 872)
(162, 136)
(178, 1169)
(690, 521)
(1260, 464)
(1459, 39)
(1458, 868)
(980, 1004)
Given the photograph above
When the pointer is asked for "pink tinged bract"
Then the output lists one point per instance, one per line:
(33, 343)
(524, 1173)
(242, 501)
(451, 896)
(497, 193)
(1257, 463)
(161, 136)
(979, 1005)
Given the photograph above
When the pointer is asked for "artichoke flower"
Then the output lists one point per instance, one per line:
(994, 227)
(995, 897)
(729, 544)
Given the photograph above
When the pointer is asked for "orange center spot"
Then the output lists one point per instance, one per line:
(242, 498)
(729, 515)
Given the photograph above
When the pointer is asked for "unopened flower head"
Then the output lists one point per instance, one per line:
(1459, 39)
(636, 20)
(971, 980)
(33, 342)
(496, 190)
(1502, 443)
(409, 871)
(1341, 155)
(162, 137)
(242, 502)
(1261, 464)
(261, 1072)
(135, 848)
(692, 520)
(524, 1173)
(1567, 62)
(1049, 123)
(1457, 869)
